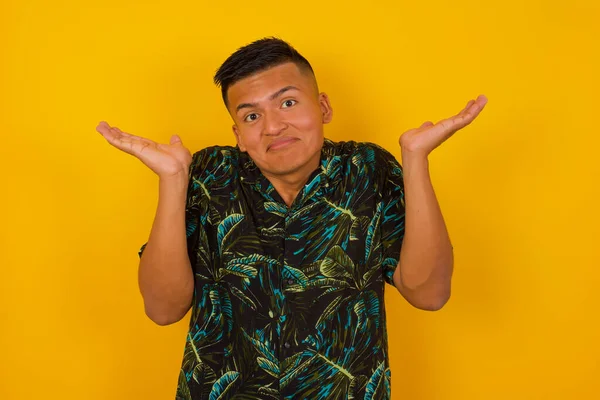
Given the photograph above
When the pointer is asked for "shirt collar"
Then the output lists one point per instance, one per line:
(322, 181)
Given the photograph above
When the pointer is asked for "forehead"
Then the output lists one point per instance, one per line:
(261, 85)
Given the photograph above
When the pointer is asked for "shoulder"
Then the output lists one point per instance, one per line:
(363, 155)
(368, 163)
(215, 155)
(214, 163)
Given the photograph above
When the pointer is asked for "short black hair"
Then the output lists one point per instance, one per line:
(255, 57)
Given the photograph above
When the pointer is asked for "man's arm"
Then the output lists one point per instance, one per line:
(165, 275)
(425, 268)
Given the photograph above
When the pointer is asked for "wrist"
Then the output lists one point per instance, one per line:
(414, 158)
(174, 182)
(180, 176)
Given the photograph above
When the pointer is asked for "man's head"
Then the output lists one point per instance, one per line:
(272, 95)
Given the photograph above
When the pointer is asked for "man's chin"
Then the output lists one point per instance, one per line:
(281, 170)
(287, 165)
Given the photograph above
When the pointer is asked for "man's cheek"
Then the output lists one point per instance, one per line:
(306, 122)
(256, 147)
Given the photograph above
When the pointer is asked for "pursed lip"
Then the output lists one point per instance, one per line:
(280, 143)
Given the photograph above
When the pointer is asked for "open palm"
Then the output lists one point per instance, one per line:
(424, 139)
(164, 159)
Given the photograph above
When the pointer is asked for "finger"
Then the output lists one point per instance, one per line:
(469, 113)
(426, 124)
(474, 106)
(119, 132)
(127, 144)
(109, 131)
(116, 129)
(445, 128)
(103, 127)
(175, 139)
(472, 111)
(464, 110)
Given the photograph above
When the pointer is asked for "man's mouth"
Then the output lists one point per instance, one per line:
(281, 143)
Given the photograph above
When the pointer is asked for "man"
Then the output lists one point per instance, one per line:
(281, 245)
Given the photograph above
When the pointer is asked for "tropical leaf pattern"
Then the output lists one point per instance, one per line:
(289, 301)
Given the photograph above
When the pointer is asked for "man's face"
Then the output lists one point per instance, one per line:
(279, 117)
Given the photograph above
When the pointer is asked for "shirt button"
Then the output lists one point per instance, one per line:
(290, 281)
(287, 345)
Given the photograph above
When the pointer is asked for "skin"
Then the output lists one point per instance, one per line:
(278, 117)
(165, 276)
(426, 263)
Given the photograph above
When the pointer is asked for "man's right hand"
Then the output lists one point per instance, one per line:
(166, 160)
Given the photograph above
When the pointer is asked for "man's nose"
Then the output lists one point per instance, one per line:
(273, 123)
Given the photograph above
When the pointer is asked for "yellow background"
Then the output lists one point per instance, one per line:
(518, 187)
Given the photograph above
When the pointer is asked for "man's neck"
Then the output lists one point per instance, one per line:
(288, 186)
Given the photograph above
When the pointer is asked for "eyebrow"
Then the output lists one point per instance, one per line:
(271, 97)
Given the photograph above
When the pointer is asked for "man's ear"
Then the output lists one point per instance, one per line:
(237, 137)
(326, 110)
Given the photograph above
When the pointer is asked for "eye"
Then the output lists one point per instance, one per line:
(288, 103)
(251, 117)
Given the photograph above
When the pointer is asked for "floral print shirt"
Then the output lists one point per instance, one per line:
(289, 301)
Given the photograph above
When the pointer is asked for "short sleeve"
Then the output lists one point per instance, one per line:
(393, 212)
(192, 214)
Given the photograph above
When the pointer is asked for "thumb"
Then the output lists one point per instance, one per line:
(175, 139)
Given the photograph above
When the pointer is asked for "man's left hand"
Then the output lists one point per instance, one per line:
(422, 140)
